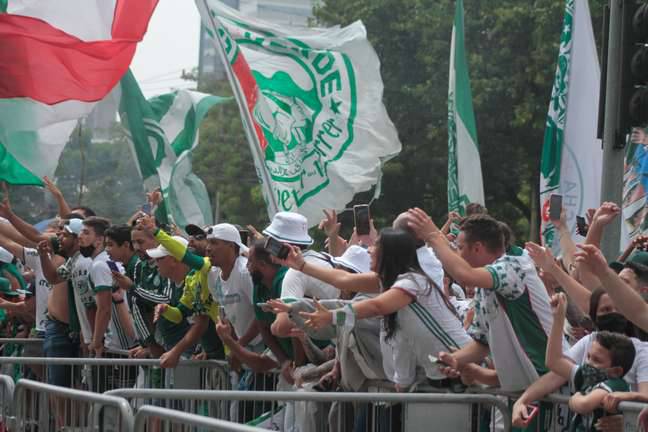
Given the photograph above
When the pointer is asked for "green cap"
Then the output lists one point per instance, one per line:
(639, 257)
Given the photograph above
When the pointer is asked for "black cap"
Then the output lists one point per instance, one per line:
(194, 230)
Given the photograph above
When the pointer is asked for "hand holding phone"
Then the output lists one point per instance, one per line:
(581, 226)
(112, 265)
(361, 219)
(532, 411)
(277, 248)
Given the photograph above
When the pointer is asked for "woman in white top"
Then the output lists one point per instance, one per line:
(418, 319)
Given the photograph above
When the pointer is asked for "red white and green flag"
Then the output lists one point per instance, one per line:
(571, 154)
(57, 60)
(311, 103)
(465, 183)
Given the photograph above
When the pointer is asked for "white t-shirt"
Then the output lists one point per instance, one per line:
(43, 288)
(425, 327)
(638, 373)
(430, 264)
(514, 319)
(299, 285)
(101, 279)
(235, 295)
(79, 267)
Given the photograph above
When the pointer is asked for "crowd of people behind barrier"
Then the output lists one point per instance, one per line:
(414, 304)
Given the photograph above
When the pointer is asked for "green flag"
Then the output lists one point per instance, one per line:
(164, 132)
(464, 166)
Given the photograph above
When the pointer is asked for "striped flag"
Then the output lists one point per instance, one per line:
(164, 132)
(464, 167)
(571, 154)
(57, 59)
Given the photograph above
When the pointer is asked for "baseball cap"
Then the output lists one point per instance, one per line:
(639, 257)
(194, 230)
(74, 226)
(161, 251)
(226, 232)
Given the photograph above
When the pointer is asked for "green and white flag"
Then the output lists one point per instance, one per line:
(465, 183)
(311, 104)
(164, 132)
(571, 154)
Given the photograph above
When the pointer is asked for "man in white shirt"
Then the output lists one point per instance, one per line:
(292, 228)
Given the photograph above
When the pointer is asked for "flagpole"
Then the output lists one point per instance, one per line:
(248, 123)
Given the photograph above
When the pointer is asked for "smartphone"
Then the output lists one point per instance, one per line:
(245, 235)
(555, 207)
(263, 306)
(276, 248)
(581, 226)
(56, 244)
(112, 265)
(533, 411)
(146, 208)
(361, 218)
(221, 313)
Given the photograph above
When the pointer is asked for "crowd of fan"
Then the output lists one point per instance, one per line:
(413, 304)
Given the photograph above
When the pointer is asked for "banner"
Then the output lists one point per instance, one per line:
(572, 155)
(465, 184)
(311, 104)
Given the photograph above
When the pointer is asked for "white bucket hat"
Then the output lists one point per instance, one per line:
(161, 251)
(289, 227)
(226, 232)
(74, 226)
(355, 258)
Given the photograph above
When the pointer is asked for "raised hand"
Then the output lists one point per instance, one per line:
(540, 255)
(147, 223)
(421, 223)
(255, 234)
(606, 213)
(559, 305)
(591, 257)
(330, 224)
(322, 317)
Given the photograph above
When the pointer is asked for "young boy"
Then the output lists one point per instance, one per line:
(609, 358)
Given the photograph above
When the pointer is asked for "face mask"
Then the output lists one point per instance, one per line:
(612, 322)
(87, 251)
(588, 376)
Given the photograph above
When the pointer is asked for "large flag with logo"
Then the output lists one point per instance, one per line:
(164, 132)
(311, 103)
(57, 59)
(571, 154)
(465, 183)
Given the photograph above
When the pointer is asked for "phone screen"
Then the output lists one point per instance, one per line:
(555, 207)
(276, 248)
(361, 216)
(146, 208)
(581, 225)
(112, 266)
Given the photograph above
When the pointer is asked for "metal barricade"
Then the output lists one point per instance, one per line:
(150, 418)
(43, 407)
(7, 387)
(103, 374)
(414, 414)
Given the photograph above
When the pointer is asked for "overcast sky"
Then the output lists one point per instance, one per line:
(170, 45)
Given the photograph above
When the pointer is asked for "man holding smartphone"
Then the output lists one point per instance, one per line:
(292, 228)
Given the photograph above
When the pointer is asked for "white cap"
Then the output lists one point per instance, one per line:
(161, 251)
(289, 227)
(355, 258)
(74, 226)
(226, 232)
(6, 256)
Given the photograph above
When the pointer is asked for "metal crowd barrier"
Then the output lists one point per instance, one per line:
(43, 407)
(414, 406)
(7, 388)
(155, 418)
(99, 375)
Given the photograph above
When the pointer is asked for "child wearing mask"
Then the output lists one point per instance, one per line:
(609, 358)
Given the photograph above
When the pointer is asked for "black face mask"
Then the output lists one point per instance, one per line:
(613, 322)
(257, 277)
(87, 251)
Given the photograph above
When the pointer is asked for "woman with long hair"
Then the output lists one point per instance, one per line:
(418, 319)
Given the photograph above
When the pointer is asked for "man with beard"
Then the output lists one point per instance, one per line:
(197, 239)
(91, 245)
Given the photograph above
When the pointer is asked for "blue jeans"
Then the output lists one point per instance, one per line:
(59, 343)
